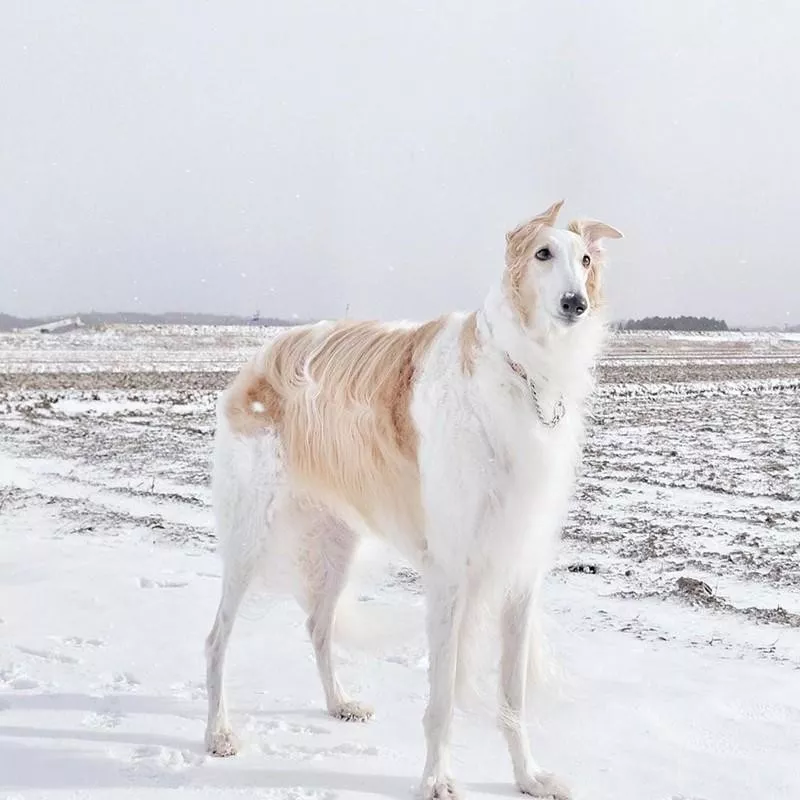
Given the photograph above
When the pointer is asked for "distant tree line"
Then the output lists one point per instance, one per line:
(674, 324)
(94, 318)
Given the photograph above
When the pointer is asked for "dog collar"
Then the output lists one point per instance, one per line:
(558, 409)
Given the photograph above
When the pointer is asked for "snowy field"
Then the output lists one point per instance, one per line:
(674, 609)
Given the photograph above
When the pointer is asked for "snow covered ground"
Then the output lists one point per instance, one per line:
(108, 585)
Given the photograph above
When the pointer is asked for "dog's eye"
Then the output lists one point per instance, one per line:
(543, 254)
(587, 261)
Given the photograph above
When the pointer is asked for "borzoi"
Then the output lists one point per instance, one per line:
(455, 440)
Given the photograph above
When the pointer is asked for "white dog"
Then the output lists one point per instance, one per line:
(455, 440)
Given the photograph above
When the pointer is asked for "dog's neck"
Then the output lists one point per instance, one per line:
(558, 360)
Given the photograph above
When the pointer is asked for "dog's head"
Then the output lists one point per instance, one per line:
(554, 275)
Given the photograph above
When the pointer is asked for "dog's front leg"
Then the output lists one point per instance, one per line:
(445, 611)
(517, 629)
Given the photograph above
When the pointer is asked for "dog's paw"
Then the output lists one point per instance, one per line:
(222, 743)
(544, 784)
(440, 789)
(352, 711)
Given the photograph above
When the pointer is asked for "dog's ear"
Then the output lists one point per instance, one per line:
(539, 221)
(550, 216)
(518, 240)
(593, 231)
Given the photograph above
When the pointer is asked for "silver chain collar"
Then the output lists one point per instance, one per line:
(558, 408)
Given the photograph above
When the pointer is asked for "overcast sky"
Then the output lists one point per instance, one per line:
(297, 157)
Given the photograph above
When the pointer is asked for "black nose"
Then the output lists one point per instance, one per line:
(573, 305)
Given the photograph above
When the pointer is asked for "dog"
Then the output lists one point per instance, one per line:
(455, 441)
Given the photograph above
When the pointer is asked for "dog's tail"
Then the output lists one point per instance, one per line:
(370, 616)
(367, 624)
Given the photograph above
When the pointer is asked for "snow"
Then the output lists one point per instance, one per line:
(109, 583)
(102, 690)
(215, 348)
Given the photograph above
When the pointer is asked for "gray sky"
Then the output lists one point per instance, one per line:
(296, 157)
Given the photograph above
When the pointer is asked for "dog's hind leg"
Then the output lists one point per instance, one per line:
(517, 629)
(245, 505)
(220, 740)
(328, 550)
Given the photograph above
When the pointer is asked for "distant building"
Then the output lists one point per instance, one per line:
(57, 326)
